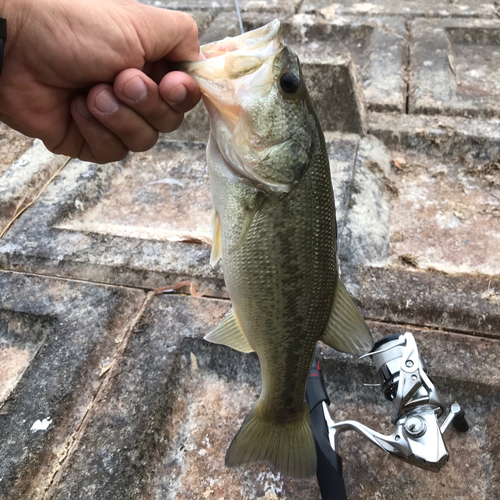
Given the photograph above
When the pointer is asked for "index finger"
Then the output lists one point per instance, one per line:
(166, 33)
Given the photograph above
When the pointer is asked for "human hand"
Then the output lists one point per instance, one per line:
(91, 78)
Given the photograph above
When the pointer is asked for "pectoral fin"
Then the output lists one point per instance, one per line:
(346, 330)
(216, 253)
(228, 332)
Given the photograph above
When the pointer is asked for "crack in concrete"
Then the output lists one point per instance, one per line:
(407, 65)
(71, 444)
(103, 283)
(440, 329)
(75, 280)
(21, 209)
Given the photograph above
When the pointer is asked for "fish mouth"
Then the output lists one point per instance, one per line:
(250, 41)
(236, 66)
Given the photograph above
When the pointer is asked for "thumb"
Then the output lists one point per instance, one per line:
(166, 34)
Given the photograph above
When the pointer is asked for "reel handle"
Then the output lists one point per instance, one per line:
(329, 469)
(459, 422)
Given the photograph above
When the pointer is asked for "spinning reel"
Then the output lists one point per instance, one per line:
(417, 437)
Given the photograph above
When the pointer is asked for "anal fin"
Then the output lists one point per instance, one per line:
(346, 330)
(228, 332)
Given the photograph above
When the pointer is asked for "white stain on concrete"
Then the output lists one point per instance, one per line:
(41, 425)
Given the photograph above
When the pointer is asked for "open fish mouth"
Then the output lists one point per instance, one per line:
(237, 66)
(253, 43)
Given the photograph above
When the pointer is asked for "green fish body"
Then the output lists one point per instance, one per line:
(275, 229)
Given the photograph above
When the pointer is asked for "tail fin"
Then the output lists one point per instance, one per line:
(289, 447)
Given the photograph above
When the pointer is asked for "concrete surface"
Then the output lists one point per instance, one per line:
(454, 67)
(108, 391)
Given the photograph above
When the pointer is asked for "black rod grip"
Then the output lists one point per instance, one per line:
(329, 469)
(315, 390)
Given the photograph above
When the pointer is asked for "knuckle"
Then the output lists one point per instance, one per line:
(193, 28)
(138, 135)
(63, 150)
(109, 150)
(146, 144)
(111, 156)
(133, 131)
(173, 123)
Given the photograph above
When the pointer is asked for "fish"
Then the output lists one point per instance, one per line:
(274, 228)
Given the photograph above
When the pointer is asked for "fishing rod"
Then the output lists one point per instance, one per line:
(417, 437)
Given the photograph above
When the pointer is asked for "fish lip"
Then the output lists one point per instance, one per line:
(219, 76)
(256, 38)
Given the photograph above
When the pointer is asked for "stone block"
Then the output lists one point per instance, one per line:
(24, 178)
(336, 94)
(459, 302)
(364, 238)
(142, 222)
(12, 145)
(342, 149)
(410, 9)
(438, 136)
(377, 47)
(446, 215)
(57, 339)
(455, 67)
(431, 227)
(176, 401)
(275, 6)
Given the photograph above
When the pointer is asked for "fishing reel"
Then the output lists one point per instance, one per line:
(417, 437)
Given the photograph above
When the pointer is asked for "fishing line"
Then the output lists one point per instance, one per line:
(358, 245)
(239, 16)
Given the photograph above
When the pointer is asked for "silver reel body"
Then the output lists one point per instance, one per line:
(417, 437)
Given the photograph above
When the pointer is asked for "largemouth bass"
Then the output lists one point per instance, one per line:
(274, 227)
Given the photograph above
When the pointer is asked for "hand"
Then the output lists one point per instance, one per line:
(91, 78)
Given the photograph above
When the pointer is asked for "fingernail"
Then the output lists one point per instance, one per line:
(178, 93)
(82, 109)
(202, 56)
(106, 102)
(135, 89)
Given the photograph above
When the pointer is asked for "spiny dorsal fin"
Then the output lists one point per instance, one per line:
(216, 253)
(346, 330)
(228, 332)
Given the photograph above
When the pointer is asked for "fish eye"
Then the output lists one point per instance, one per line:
(290, 83)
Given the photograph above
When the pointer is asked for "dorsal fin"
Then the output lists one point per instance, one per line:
(346, 330)
(228, 332)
